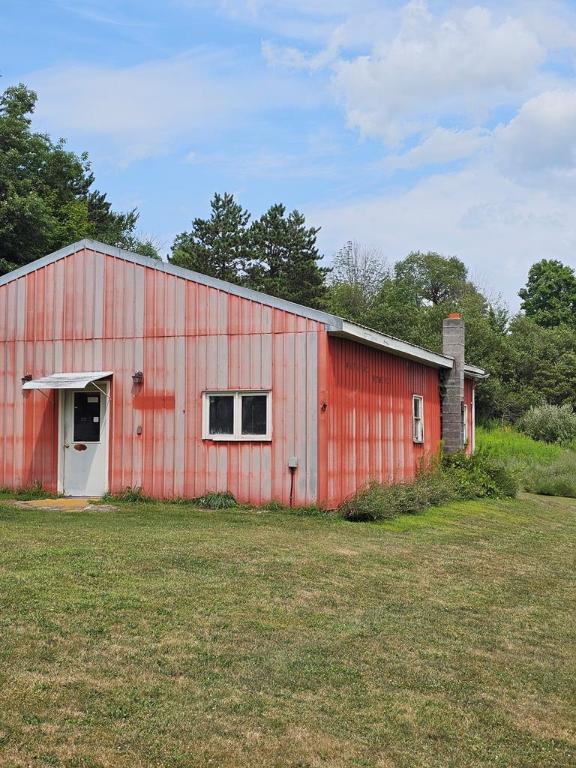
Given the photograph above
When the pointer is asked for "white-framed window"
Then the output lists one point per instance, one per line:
(417, 418)
(237, 415)
(465, 432)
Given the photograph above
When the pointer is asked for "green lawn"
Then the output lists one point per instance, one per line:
(159, 635)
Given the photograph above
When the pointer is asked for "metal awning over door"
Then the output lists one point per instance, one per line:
(67, 380)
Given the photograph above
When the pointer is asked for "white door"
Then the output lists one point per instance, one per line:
(84, 442)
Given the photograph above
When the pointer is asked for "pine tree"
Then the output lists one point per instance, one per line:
(216, 246)
(284, 258)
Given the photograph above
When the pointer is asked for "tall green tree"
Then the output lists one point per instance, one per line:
(217, 246)
(46, 195)
(549, 297)
(418, 294)
(539, 367)
(436, 279)
(421, 290)
(285, 258)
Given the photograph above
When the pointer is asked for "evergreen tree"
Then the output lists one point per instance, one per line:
(46, 200)
(285, 259)
(216, 246)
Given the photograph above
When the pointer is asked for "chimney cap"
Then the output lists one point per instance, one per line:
(454, 316)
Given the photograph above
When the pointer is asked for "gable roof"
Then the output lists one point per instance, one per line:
(335, 325)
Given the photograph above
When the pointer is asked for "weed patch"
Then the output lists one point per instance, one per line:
(453, 478)
(215, 501)
(538, 467)
(128, 495)
(27, 494)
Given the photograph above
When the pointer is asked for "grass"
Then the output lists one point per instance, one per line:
(162, 635)
(539, 467)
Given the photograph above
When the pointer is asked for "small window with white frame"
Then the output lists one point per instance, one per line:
(417, 418)
(465, 432)
(237, 415)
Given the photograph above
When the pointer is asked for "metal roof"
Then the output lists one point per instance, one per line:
(66, 380)
(335, 325)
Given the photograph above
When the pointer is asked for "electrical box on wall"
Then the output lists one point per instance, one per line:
(293, 462)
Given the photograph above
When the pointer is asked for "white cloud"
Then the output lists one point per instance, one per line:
(261, 12)
(460, 65)
(268, 164)
(432, 73)
(540, 142)
(101, 12)
(496, 226)
(310, 21)
(440, 147)
(144, 109)
(289, 57)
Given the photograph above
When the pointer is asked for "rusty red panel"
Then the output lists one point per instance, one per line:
(92, 311)
(367, 421)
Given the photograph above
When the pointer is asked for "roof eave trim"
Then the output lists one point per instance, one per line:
(390, 344)
(473, 372)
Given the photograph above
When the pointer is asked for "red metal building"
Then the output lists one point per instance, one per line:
(119, 371)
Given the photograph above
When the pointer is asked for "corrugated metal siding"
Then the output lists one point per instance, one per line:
(91, 311)
(368, 419)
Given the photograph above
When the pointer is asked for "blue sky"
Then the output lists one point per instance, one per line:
(447, 126)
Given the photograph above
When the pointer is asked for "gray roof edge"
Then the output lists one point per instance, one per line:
(61, 253)
(474, 372)
(392, 345)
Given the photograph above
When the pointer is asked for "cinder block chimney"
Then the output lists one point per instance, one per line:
(453, 338)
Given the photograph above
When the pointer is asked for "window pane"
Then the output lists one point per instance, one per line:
(86, 417)
(254, 414)
(418, 431)
(417, 407)
(221, 418)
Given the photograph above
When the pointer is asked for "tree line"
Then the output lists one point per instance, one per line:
(48, 200)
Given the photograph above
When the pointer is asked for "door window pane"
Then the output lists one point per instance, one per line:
(221, 415)
(254, 414)
(86, 417)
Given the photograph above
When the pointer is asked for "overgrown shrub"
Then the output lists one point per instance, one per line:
(477, 476)
(455, 477)
(215, 501)
(555, 479)
(550, 423)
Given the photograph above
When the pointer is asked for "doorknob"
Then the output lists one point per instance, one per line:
(66, 445)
